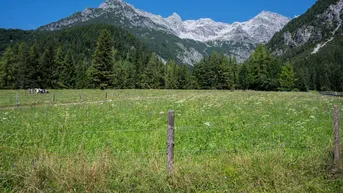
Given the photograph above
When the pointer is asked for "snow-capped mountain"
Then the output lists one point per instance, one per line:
(238, 39)
(259, 29)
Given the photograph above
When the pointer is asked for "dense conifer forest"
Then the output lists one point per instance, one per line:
(106, 57)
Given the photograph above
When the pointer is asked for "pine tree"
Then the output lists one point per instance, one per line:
(129, 72)
(152, 77)
(234, 72)
(243, 77)
(33, 71)
(49, 73)
(8, 70)
(225, 77)
(200, 75)
(22, 66)
(262, 70)
(287, 78)
(81, 73)
(301, 80)
(184, 78)
(171, 75)
(67, 74)
(59, 58)
(100, 73)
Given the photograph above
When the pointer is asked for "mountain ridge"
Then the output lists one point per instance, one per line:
(178, 24)
(313, 44)
(237, 39)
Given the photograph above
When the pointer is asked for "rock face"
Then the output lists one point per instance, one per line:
(321, 29)
(238, 39)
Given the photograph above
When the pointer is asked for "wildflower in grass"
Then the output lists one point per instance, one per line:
(208, 124)
(161, 113)
(312, 117)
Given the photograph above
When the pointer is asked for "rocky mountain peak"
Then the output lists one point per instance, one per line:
(110, 4)
(205, 30)
(175, 18)
(271, 17)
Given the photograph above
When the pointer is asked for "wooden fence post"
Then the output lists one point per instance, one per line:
(53, 98)
(106, 96)
(170, 142)
(337, 146)
(80, 96)
(16, 99)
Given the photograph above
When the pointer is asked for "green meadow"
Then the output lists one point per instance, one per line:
(115, 141)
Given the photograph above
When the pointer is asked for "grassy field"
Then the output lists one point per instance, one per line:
(225, 141)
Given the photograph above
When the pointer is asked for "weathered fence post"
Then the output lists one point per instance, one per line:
(16, 99)
(80, 96)
(106, 96)
(170, 142)
(337, 146)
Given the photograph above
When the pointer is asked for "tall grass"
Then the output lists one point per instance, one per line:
(225, 142)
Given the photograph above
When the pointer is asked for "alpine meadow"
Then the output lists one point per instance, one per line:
(118, 99)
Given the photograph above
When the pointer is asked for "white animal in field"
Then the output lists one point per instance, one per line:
(37, 91)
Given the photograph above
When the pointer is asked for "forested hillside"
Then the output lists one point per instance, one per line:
(103, 56)
(46, 52)
(313, 44)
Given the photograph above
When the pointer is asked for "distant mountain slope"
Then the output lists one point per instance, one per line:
(318, 25)
(313, 42)
(80, 39)
(172, 38)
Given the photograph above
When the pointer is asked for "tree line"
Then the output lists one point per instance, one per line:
(25, 67)
(110, 66)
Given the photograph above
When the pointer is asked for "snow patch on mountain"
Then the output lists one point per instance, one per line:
(243, 36)
(258, 29)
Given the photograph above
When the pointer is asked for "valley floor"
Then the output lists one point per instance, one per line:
(115, 141)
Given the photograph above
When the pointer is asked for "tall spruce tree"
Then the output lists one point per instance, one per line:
(184, 78)
(8, 70)
(81, 73)
(100, 73)
(214, 72)
(234, 72)
(262, 70)
(243, 77)
(172, 71)
(287, 78)
(22, 66)
(301, 77)
(67, 72)
(225, 78)
(33, 71)
(48, 68)
(153, 74)
(59, 58)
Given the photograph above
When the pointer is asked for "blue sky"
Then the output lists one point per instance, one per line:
(30, 14)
